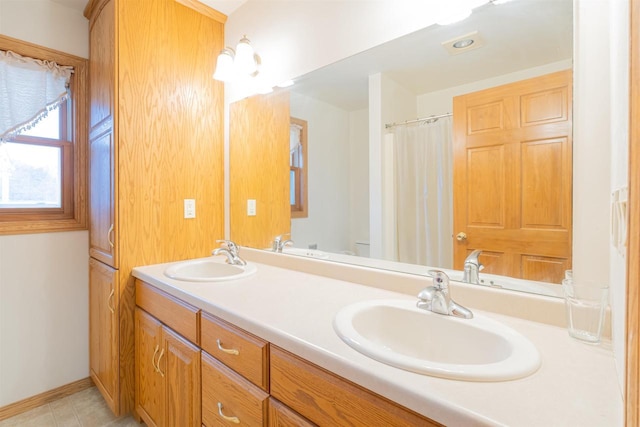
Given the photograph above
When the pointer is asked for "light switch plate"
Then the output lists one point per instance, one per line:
(251, 207)
(189, 208)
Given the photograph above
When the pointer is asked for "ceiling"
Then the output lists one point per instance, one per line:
(517, 35)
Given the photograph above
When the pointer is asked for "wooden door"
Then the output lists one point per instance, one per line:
(150, 393)
(102, 222)
(513, 177)
(103, 331)
(181, 369)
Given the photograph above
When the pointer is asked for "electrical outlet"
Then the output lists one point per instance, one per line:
(189, 208)
(251, 207)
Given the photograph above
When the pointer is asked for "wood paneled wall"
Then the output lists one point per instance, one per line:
(259, 168)
(168, 127)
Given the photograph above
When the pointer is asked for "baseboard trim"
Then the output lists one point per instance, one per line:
(44, 398)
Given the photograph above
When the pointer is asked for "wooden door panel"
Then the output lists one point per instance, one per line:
(513, 176)
(101, 196)
(485, 170)
(485, 118)
(543, 188)
(150, 385)
(543, 269)
(103, 321)
(181, 369)
(544, 107)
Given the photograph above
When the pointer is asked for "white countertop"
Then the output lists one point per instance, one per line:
(575, 386)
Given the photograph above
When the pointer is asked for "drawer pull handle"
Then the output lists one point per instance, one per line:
(109, 300)
(227, 350)
(234, 420)
(109, 234)
(160, 358)
(153, 359)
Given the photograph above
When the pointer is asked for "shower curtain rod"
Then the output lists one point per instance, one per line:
(424, 119)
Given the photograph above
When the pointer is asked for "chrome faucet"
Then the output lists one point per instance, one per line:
(472, 268)
(279, 244)
(436, 298)
(231, 250)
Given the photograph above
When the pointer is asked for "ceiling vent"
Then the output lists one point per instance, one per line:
(465, 43)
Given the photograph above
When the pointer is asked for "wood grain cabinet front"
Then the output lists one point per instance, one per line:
(281, 415)
(241, 351)
(228, 398)
(167, 375)
(329, 400)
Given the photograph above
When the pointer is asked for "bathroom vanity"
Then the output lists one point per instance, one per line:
(267, 343)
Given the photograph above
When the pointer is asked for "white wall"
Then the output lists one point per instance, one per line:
(44, 297)
(328, 176)
(441, 102)
(46, 23)
(358, 177)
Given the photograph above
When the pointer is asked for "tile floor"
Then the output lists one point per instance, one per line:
(83, 409)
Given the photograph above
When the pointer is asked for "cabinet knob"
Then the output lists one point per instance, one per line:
(461, 236)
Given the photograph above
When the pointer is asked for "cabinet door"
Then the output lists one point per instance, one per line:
(282, 416)
(103, 326)
(150, 381)
(102, 233)
(180, 366)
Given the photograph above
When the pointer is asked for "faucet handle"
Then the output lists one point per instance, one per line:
(233, 247)
(473, 258)
(440, 279)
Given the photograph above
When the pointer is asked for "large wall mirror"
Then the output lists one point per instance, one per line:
(372, 203)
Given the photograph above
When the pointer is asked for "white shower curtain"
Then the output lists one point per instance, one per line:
(424, 205)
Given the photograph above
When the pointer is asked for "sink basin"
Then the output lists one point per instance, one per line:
(399, 334)
(208, 270)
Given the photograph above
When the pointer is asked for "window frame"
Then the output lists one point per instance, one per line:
(72, 215)
(301, 208)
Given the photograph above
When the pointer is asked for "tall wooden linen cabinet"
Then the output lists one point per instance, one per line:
(156, 138)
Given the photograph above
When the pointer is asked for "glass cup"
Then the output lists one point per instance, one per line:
(585, 305)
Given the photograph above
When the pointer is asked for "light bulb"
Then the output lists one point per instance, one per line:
(224, 66)
(245, 62)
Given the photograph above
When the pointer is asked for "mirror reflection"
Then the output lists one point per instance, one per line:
(399, 177)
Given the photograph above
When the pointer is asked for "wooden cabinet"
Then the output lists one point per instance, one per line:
(156, 138)
(327, 399)
(282, 416)
(103, 328)
(177, 384)
(228, 398)
(241, 351)
(167, 375)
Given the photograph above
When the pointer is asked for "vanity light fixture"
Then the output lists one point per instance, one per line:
(241, 62)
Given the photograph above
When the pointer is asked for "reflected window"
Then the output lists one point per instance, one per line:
(298, 168)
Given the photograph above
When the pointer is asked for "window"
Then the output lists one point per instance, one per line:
(298, 168)
(42, 169)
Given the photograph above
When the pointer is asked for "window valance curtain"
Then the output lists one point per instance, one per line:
(29, 89)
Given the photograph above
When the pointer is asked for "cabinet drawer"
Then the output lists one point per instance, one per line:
(241, 351)
(227, 394)
(179, 316)
(326, 399)
(282, 416)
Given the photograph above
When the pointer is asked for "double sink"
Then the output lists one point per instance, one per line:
(398, 333)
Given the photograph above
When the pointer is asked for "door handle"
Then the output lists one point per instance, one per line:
(461, 236)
